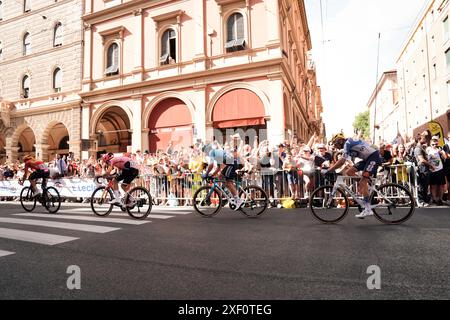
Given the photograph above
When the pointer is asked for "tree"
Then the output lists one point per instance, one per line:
(362, 124)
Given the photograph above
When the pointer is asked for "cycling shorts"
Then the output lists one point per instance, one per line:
(128, 175)
(370, 165)
(38, 174)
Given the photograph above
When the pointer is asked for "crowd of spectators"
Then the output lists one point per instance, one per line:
(290, 169)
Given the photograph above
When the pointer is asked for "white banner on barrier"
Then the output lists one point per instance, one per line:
(70, 188)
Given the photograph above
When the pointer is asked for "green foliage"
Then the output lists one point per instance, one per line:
(362, 124)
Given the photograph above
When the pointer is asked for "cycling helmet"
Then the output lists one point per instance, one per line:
(108, 156)
(28, 157)
(337, 137)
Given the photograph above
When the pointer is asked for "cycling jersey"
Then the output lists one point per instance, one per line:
(123, 163)
(35, 165)
(358, 149)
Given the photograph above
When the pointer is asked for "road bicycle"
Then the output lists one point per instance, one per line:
(208, 200)
(49, 198)
(137, 203)
(391, 203)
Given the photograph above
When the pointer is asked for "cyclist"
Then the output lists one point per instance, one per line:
(228, 165)
(40, 170)
(129, 170)
(371, 160)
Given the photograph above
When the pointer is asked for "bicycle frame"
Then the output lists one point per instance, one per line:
(216, 184)
(340, 183)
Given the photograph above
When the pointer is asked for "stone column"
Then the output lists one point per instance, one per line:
(276, 125)
(136, 139)
(272, 22)
(87, 63)
(42, 151)
(199, 118)
(85, 126)
(12, 153)
(139, 40)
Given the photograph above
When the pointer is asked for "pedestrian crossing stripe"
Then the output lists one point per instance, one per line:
(34, 237)
(153, 216)
(5, 253)
(82, 218)
(154, 210)
(60, 225)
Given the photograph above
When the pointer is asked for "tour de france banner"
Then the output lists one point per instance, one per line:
(437, 130)
(69, 188)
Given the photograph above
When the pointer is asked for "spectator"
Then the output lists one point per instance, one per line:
(447, 165)
(290, 167)
(436, 157)
(424, 169)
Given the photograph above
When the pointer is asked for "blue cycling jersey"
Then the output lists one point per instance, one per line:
(358, 149)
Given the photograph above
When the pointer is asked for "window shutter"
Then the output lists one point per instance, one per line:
(26, 86)
(112, 63)
(27, 6)
(116, 55)
(57, 81)
(26, 44)
(58, 35)
(230, 28)
(240, 26)
(165, 43)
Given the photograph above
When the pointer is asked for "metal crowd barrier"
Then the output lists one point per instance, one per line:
(178, 189)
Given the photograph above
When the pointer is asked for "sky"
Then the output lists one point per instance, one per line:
(345, 51)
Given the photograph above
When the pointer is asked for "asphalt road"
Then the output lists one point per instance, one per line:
(176, 254)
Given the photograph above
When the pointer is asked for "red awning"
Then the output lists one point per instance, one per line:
(238, 108)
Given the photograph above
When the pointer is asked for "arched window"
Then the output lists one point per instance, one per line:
(26, 44)
(57, 35)
(57, 80)
(26, 5)
(168, 47)
(235, 33)
(112, 60)
(25, 87)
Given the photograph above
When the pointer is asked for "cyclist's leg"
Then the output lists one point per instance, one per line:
(32, 178)
(115, 188)
(129, 176)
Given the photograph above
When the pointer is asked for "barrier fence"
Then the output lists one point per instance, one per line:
(178, 189)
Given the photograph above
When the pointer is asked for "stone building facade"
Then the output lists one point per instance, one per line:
(40, 78)
(160, 72)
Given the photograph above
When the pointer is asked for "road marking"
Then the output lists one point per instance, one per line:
(153, 216)
(5, 253)
(74, 217)
(60, 225)
(35, 237)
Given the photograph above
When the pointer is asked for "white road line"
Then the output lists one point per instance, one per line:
(74, 217)
(60, 225)
(153, 216)
(5, 253)
(35, 237)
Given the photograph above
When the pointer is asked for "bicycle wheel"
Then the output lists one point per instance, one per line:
(51, 200)
(100, 201)
(328, 210)
(393, 203)
(256, 201)
(207, 202)
(138, 203)
(27, 199)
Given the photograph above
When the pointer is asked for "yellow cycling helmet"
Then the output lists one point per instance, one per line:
(336, 137)
(28, 157)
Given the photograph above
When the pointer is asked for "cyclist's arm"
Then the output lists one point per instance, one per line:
(338, 164)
